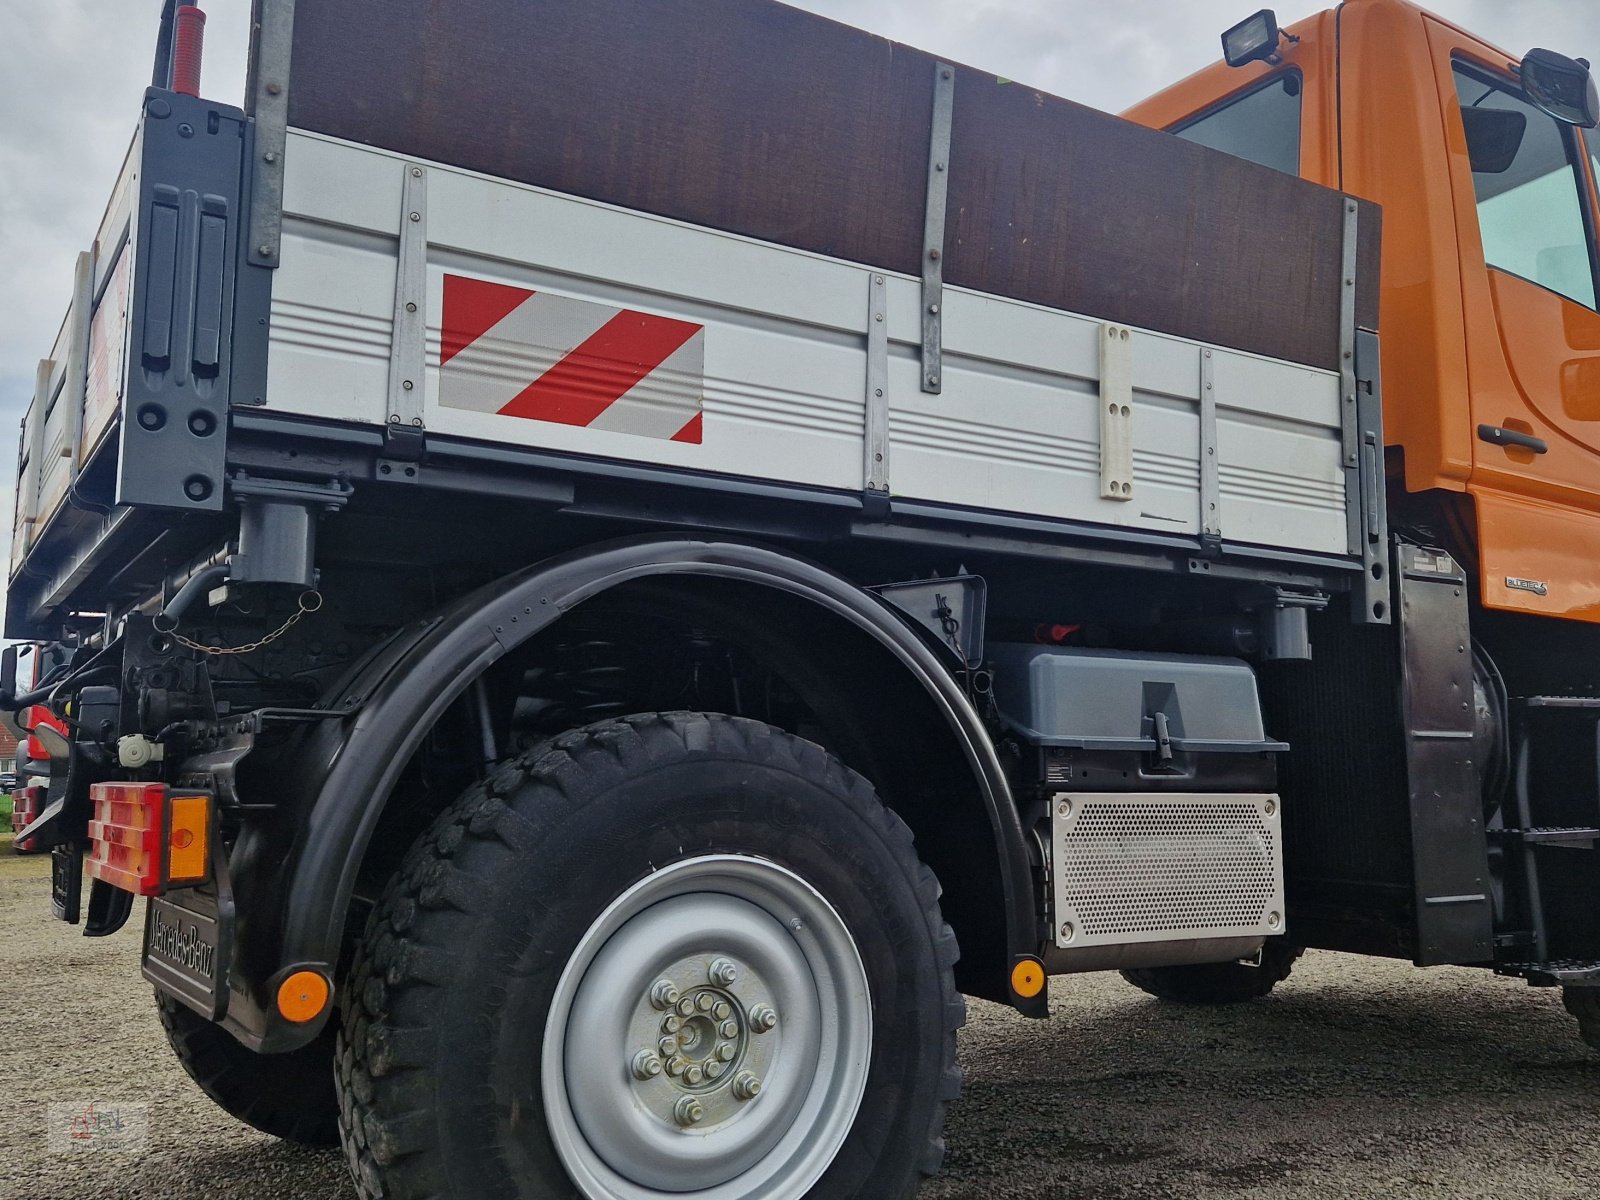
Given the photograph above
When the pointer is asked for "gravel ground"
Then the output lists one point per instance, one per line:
(1357, 1078)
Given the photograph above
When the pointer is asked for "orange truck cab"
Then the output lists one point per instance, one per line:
(1491, 367)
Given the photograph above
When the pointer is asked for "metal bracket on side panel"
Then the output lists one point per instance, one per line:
(1372, 602)
(1210, 479)
(1116, 413)
(1351, 455)
(876, 441)
(944, 94)
(952, 609)
(408, 344)
(268, 97)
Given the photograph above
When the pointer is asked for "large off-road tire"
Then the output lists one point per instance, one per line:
(1584, 1003)
(1218, 983)
(290, 1096)
(678, 954)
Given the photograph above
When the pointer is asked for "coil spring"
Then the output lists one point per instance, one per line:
(579, 682)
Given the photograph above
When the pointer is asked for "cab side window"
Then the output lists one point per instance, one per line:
(1263, 125)
(1529, 192)
(1591, 139)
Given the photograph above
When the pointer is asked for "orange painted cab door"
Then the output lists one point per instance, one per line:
(1525, 230)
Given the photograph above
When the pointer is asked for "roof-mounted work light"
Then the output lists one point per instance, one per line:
(1255, 38)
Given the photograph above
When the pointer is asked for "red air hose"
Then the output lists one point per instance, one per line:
(188, 44)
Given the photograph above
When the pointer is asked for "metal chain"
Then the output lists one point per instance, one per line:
(303, 608)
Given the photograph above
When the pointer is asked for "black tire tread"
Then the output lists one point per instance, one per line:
(401, 948)
(1217, 983)
(290, 1096)
(1584, 1004)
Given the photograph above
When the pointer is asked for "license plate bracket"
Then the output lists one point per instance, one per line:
(187, 949)
(66, 883)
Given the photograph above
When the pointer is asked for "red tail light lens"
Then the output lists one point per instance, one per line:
(143, 840)
(125, 836)
(26, 804)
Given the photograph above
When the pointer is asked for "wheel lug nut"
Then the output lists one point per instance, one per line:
(687, 1111)
(646, 1066)
(663, 995)
(723, 972)
(676, 1065)
(763, 1018)
(729, 1029)
(686, 1006)
(668, 1046)
(671, 1024)
(695, 1075)
(722, 1011)
(705, 1000)
(746, 1085)
(725, 1052)
(713, 1069)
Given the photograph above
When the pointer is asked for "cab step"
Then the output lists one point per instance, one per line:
(1559, 973)
(1582, 837)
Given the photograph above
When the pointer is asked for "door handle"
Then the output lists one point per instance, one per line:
(1495, 435)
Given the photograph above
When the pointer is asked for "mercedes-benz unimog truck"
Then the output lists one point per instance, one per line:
(597, 566)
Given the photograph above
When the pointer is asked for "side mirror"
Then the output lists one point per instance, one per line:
(1562, 87)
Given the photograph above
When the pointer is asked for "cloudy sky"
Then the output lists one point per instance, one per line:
(70, 90)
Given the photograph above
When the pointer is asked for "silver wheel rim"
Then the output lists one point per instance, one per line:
(709, 1037)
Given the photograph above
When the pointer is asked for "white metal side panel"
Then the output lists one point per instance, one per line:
(108, 354)
(784, 348)
(54, 467)
(22, 524)
(769, 349)
(115, 224)
(331, 323)
(1279, 453)
(1016, 426)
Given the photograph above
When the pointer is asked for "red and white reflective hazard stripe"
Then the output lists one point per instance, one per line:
(529, 354)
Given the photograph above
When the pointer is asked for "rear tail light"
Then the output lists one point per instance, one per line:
(26, 805)
(145, 839)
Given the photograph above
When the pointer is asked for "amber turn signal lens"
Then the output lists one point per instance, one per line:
(302, 996)
(1027, 978)
(188, 837)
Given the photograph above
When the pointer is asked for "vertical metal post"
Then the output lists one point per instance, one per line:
(1210, 478)
(1347, 378)
(877, 391)
(408, 347)
(267, 100)
(933, 228)
(1372, 603)
(77, 382)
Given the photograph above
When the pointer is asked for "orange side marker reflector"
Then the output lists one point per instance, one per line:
(1027, 978)
(187, 843)
(302, 996)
